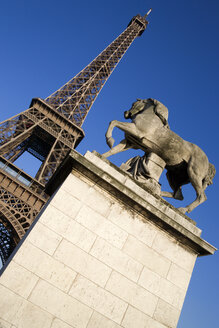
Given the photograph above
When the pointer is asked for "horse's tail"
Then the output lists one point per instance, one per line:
(208, 180)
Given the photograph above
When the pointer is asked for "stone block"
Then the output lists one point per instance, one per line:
(19, 280)
(68, 228)
(10, 304)
(116, 259)
(166, 314)
(82, 263)
(98, 299)
(45, 266)
(66, 203)
(4, 324)
(131, 184)
(55, 220)
(76, 187)
(106, 166)
(131, 293)
(57, 323)
(44, 238)
(147, 256)
(171, 249)
(162, 288)
(80, 236)
(101, 226)
(133, 224)
(136, 319)
(178, 276)
(99, 321)
(97, 200)
(61, 305)
(30, 315)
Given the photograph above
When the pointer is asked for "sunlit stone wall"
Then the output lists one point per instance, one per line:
(93, 261)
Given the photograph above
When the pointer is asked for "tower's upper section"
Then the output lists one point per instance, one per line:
(75, 98)
(141, 21)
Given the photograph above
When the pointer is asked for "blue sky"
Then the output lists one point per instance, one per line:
(45, 43)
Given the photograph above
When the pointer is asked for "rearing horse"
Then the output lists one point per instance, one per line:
(149, 131)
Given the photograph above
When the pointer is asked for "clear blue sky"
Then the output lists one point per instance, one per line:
(45, 43)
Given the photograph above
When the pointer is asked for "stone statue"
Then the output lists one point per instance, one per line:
(149, 130)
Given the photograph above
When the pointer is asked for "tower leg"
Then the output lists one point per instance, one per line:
(56, 156)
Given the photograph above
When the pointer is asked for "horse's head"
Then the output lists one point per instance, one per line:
(137, 107)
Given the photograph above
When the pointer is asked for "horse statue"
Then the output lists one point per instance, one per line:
(149, 131)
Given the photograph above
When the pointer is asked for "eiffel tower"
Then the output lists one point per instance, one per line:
(49, 130)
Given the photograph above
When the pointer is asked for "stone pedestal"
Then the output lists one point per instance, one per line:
(104, 253)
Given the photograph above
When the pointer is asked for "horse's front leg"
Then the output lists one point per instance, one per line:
(126, 127)
(122, 146)
(109, 139)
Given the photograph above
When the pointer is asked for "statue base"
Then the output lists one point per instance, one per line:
(103, 253)
(146, 170)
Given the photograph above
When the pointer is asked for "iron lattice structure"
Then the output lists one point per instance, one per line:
(48, 130)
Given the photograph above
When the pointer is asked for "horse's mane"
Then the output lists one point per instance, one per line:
(162, 118)
(158, 109)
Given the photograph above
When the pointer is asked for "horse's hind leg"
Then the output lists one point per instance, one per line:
(200, 198)
(122, 146)
(175, 185)
(174, 194)
(196, 181)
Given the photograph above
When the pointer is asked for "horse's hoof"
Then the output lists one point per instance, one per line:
(182, 209)
(110, 142)
(178, 195)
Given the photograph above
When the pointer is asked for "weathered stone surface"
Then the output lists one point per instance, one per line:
(10, 304)
(99, 321)
(4, 324)
(134, 318)
(169, 248)
(166, 216)
(74, 186)
(83, 263)
(106, 166)
(68, 228)
(19, 280)
(132, 293)
(116, 259)
(61, 305)
(98, 299)
(133, 224)
(55, 219)
(101, 226)
(166, 314)
(66, 203)
(80, 236)
(179, 276)
(147, 256)
(45, 266)
(162, 288)
(30, 315)
(97, 201)
(44, 238)
(57, 323)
